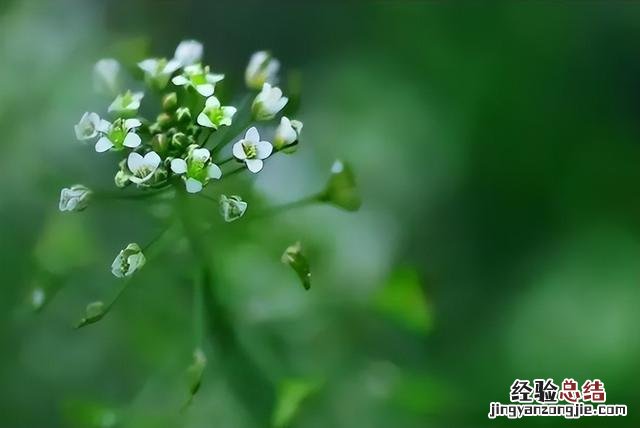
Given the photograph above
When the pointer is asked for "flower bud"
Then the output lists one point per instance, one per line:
(268, 103)
(181, 140)
(126, 104)
(170, 101)
(341, 188)
(74, 198)
(94, 312)
(232, 207)
(262, 69)
(121, 179)
(164, 120)
(160, 143)
(128, 261)
(106, 76)
(183, 114)
(287, 133)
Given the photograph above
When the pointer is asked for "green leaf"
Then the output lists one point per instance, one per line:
(402, 299)
(293, 257)
(291, 395)
(341, 189)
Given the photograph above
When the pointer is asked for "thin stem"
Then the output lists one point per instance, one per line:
(198, 312)
(132, 196)
(307, 200)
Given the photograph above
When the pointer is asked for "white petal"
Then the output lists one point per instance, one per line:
(214, 78)
(238, 151)
(179, 166)
(203, 120)
(252, 135)
(254, 165)
(103, 145)
(149, 65)
(263, 149)
(193, 185)
(180, 80)
(212, 102)
(201, 154)
(281, 103)
(152, 160)
(188, 52)
(205, 90)
(131, 123)
(135, 161)
(214, 171)
(132, 140)
(103, 126)
(229, 111)
(171, 66)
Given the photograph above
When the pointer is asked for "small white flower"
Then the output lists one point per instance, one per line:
(287, 132)
(232, 207)
(268, 102)
(128, 261)
(196, 169)
(188, 52)
(127, 103)
(262, 69)
(118, 135)
(74, 198)
(142, 167)
(158, 71)
(199, 78)
(106, 76)
(215, 115)
(89, 126)
(252, 151)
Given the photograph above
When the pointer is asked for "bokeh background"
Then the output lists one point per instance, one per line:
(497, 152)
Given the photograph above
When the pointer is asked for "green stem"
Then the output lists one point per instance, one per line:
(132, 196)
(244, 377)
(308, 200)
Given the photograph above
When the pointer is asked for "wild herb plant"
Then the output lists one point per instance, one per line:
(176, 154)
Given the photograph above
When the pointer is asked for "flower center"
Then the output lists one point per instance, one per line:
(197, 171)
(249, 150)
(216, 115)
(116, 135)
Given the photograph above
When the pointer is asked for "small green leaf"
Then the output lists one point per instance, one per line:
(93, 313)
(291, 395)
(293, 257)
(341, 189)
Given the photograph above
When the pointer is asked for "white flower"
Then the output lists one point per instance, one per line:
(196, 169)
(232, 207)
(74, 198)
(118, 135)
(198, 77)
(251, 150)
(106, 74)
(142, 167)
(89, 126)
(268, 102)
(128, 261)
(127, 103)
(215, 115)
(158, 71)
(287, 132)
(262, 69)
(188, 52)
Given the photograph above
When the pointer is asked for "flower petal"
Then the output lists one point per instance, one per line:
(103, 145)
(214, 171)
(203, 120)
(254, 165)
(201, 154)
(131, 123)
(180, 80)
(238, 151)
(152, 160)
(212, 102)
(252, 135)
(263, 149)
(193, 185)
(135, 161)
(205, 90)
(179, 166)
(132, 140)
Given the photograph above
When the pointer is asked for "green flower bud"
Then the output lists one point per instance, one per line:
(164, 120)
(160, 143)
(93, 313)
(74, 198)
(170, 101)
(341, 188)
(232, 207)
(181, 140)
(183, 114)
(128, 261)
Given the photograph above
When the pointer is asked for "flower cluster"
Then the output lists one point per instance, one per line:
(164, 145)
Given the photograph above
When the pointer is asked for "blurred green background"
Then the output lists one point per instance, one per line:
(496, 149)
